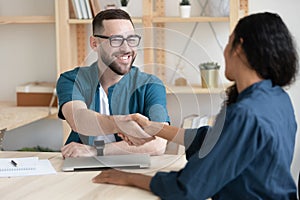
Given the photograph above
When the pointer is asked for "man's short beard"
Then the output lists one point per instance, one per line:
(114, 67)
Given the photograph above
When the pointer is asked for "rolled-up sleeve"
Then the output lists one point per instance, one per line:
(193, 139)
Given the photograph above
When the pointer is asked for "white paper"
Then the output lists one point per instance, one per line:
(25, 167)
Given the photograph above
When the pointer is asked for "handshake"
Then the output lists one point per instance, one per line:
(136, 129)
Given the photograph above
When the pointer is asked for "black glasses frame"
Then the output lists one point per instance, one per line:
(110, 38)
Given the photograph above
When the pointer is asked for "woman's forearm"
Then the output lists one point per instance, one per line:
(140, 181)
(170, 133)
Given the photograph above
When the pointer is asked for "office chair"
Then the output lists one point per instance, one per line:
(2, 131)
(54, 95)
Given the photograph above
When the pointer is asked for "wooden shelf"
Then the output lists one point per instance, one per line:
(161, 20)
(89, 21)
(194, 89)
(27, 19)
(13, 116)
(190, 19)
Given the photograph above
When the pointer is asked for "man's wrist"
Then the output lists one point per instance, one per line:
(113, 123)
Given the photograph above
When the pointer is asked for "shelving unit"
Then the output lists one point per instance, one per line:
(71, 35)
(89, 21)
(26, 19)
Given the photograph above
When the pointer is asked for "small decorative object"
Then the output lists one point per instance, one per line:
(124, 4)
(110, 6)
(209, 74)
(185, 8)
(180, 82)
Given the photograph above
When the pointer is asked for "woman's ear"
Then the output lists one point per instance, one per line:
(240, 53)
(239, 49)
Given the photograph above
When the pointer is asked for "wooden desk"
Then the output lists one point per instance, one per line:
(78, 185)
(12, 116)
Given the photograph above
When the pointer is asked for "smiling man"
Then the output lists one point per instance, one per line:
(91, 97)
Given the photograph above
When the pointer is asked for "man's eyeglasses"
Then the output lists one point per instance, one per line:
(117, 40)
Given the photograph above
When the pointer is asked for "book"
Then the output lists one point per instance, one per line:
(108, 4)
(26, 166)
(77, 9)
(88, 8)
(83, 9)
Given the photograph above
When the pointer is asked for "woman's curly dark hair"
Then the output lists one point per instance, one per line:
(269, 49)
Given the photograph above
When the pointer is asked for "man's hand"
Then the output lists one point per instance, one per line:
(150, 127)
(78, 150)
(134, 141)
(132, 131)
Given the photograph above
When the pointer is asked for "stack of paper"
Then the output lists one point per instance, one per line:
(195, 121)
(28, 166)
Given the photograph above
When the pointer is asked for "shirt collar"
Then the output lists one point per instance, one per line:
(264, 84)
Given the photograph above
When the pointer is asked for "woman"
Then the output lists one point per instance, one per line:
(247, 154)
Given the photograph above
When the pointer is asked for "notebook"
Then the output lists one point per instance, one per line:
(18, 164)
(103, 162)
(26, 166)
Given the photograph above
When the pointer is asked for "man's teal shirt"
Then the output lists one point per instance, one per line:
(136, 92)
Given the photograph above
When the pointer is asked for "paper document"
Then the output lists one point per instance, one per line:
(195, 121)
(28, 166)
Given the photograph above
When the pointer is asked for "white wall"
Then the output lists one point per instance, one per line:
(27, 52)
(288, 10)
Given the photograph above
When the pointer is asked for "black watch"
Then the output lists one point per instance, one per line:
(99, 145)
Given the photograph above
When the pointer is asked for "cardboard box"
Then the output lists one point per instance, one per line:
(36, 94)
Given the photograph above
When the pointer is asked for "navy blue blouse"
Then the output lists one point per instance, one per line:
(247, 154)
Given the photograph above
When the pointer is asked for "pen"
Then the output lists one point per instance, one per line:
(14, 163)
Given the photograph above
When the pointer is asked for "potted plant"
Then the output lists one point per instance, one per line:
(185, 8)
(124, 4)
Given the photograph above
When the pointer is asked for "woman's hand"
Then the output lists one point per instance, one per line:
(123, 178)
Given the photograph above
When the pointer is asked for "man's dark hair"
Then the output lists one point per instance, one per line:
(107, 15)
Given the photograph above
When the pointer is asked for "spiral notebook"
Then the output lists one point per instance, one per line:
(26, 166)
